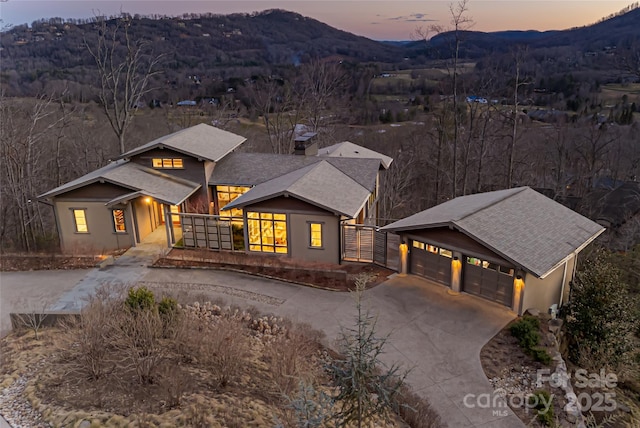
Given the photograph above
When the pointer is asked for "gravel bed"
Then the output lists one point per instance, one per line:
(17, 410)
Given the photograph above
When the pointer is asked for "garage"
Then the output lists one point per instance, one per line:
(488, 280)
(431, 262)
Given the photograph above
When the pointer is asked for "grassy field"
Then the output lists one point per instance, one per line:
(614, 92)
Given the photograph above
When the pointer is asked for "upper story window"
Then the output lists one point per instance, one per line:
(226, 195)
(168, 163)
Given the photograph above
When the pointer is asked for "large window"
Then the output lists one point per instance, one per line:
(267, 232)
(315, 235)
(80, 220)
(226, 195)
(118, 221)
(167, 163)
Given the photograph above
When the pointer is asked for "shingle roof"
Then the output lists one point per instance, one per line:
(321, 184)
(520, 224)
(163, 187)
(201, 141)
(347, 149)
(250, 169)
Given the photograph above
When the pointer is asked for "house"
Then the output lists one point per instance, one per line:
(515, 247)
(205, 192)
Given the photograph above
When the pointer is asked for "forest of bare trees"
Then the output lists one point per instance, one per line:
(443, 144)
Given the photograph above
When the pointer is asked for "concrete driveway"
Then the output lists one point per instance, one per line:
(437, 335)
(33, 291)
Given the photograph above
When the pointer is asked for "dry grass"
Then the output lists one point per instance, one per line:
(207, 366)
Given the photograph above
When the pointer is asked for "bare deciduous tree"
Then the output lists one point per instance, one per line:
(280, 107)
(125, 68)
(454, 34)
(25, 131)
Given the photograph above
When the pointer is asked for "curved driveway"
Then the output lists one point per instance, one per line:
(438, 335)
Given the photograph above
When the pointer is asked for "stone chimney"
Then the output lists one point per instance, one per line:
(305, 146)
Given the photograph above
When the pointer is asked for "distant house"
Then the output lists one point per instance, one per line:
(194, 182)
(476, 99)
(515, 247)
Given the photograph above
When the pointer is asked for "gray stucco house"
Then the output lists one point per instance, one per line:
(290, 205)
(515, 247)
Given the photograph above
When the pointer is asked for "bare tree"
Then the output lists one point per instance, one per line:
(396, 183)
(519, 81)
(125, 68)
(321, 84)
(280, 107)
(26, 155)
(460, 22)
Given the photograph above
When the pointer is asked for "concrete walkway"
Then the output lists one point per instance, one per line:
(437, 335)
(125, 269)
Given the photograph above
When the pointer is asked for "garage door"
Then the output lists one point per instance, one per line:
(431, 262)
(488, 280)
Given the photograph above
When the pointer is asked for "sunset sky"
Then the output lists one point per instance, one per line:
(376, 19)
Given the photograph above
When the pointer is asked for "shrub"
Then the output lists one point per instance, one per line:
(168, 306)
(526, 331)
(541, 355)
(541, 401)
(223, 349)
(140, 298)
(601, 318)
(290, 360)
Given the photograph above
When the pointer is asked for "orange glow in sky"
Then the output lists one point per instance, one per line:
(376, 19)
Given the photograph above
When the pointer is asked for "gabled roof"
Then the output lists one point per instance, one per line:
(163, 187)
(200, 141)
(521, 225)
(250, 169)
(347, 149)
(320, 184)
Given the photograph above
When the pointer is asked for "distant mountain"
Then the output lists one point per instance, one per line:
(221, 47)
(618, 30)
(196, 44)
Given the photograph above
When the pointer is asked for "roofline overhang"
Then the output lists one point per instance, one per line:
(288, 195)
(574, 252)
(139, 193)
(163, 146)
(417, 227)
(500, 253)
(52, 194)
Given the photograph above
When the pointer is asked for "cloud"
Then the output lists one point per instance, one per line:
(414, 17)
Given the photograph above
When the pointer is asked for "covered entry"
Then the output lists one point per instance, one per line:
(431, 261)
(488, 280)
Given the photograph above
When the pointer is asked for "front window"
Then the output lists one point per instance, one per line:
(80, 220)
(315, 235)
(267, 232)
(226, 195)
(118, 221)
(168, 163)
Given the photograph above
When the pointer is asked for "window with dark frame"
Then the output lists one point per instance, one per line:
(118, 221)
(167, 163)
(267, 232)
(315, 235)
(80, 220)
